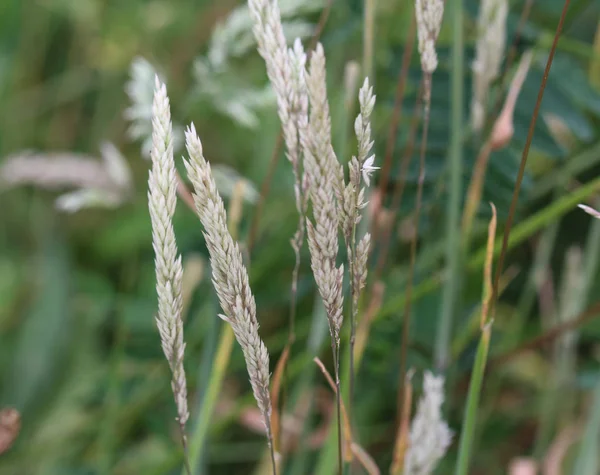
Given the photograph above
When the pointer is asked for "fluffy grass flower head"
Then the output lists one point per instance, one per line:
(429, 15)
(430, 435)
(229, 275)
(489, 50)
(162, 199)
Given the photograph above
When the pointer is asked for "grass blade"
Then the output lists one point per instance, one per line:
(212, 395)
(453, 245)
(275, 392)
(525, 155)
(518, 235)
(587, 459)
(222, 355)
(46, 332)
(401, 444)
(468, 432)
(472, 407)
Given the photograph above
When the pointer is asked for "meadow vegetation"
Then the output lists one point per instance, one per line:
(389, 207)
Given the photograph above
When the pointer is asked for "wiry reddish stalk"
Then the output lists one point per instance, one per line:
(395, 120)
(399, 186)
(515, 198)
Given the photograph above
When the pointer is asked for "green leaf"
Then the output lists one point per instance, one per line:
(587, 458)
(45, 334)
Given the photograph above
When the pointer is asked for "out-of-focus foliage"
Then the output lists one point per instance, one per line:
(79, 352)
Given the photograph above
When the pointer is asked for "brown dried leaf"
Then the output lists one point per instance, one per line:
(10, 425)
(522, 466)
(402, 438)
(503, 129)
(347, 432)
(552, 464)
(487, 272)
(275, 391)
(365, 459)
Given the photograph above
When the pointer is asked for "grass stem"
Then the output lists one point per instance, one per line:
(184, 444)
(399, 186)
(517, 189)
(474, 192)
(455, 165)
(468, 427)
(394, 121)
(335, 347)
(472, 407)
(523, 231)
(353, 316)
(368, 39)
(209, 401)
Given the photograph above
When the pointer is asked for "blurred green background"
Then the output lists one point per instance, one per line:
(80, 356)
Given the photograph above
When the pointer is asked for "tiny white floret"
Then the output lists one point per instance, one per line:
(368, 168)
(591, 211)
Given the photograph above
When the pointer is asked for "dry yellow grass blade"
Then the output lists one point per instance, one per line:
(487, 270)
(344, 414)
(402, 438)
(501, 134)
(275, 391)
(10, 426)
(365, 459)
(351, 448)
(467, 435)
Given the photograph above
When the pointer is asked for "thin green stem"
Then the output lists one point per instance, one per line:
(112, 401)
(455, 165)
(271, 447)
(575, 165)
(335, 347)
(317, 335)
(560, 178)
(368, 38)
(297, 245)
(587, 458)
(353, 315)
(589, 314)
(184, 444)
(110, 420)
(469, 425)
(521, 232)
(592, 260)
(211, 396)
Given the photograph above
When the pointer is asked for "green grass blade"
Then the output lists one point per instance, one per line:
(587, 458)
(318, 334)
(469, 424)
(45, 335)
(486, 321)
(573, 300)
(453, 249)
(561, 176)
(209, 402)
(518, 235)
